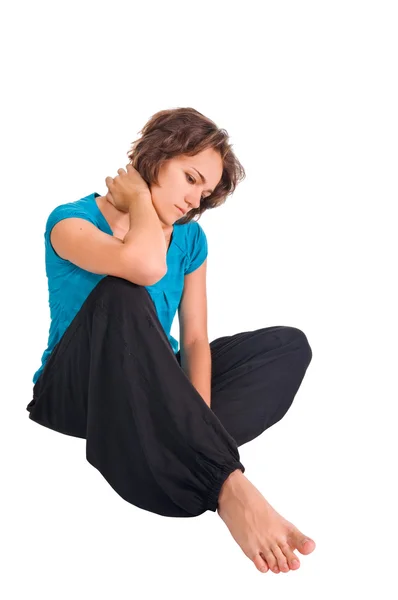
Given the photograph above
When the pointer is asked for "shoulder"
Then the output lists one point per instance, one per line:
(194, 233)
(67, 210)
(197, 246)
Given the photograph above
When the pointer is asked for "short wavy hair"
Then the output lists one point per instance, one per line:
(185, 131)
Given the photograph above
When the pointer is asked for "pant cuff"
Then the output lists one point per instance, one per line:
(222, 475)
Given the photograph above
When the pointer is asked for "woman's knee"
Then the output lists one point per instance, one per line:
(299, 336)
(114, 292)
(295, 335)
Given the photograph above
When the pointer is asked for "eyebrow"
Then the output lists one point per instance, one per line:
(203, 180)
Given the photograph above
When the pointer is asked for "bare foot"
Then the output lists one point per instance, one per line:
(263, 534)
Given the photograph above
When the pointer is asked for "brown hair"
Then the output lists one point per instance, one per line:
(185, 131)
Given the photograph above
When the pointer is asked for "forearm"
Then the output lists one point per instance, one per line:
(145, 238)
(196, 363)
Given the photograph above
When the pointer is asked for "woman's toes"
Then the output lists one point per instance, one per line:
(260, 563)
(271, 560)
(304, 544)
(281, 558)
(292, 559)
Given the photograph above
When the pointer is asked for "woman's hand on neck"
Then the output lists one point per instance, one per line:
(121, 219)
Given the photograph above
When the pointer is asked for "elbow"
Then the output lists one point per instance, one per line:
(155, 275)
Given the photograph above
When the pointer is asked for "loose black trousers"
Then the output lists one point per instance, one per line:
(114, 380)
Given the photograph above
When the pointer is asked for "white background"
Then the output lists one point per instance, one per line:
(308, 93)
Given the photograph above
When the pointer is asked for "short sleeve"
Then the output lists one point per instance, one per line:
(198, 248)
(64, 211)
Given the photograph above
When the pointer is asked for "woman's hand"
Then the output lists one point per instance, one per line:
(126, 187)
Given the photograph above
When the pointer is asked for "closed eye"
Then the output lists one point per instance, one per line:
(193, 182)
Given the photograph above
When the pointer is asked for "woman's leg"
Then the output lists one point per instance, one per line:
(114, 380)
(255, 377)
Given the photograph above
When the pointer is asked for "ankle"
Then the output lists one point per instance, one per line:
(229, 486)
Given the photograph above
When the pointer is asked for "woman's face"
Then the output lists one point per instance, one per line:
(180, 184)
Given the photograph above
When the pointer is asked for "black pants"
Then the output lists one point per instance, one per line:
(114, 380)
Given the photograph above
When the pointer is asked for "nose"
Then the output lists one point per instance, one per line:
(194, 201)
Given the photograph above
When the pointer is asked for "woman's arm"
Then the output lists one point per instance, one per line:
(196, 363)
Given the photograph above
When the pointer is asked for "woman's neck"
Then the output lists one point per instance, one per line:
(120, 220)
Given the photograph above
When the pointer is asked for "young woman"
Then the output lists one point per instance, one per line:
(162, 424)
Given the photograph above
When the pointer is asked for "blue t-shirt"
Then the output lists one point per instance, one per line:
(69, 285)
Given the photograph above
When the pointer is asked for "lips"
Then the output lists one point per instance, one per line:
(181, 211)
